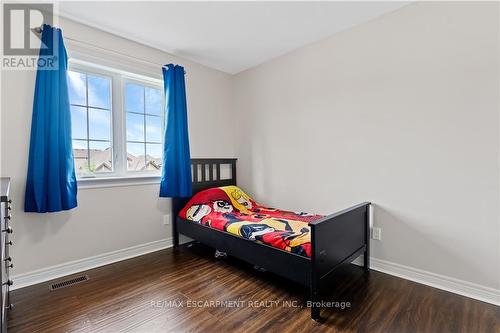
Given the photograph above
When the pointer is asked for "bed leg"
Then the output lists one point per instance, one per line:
(315, 312)
(366, 261)
(175, 234)
(176, 206)
(315, 309)
(176, 240)
(366, 257)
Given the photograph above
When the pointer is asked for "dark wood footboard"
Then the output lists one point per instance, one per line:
(337, 239)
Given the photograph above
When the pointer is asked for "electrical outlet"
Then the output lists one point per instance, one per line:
(166, 219)
(377, 233)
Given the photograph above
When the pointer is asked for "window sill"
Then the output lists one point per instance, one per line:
(99, 182)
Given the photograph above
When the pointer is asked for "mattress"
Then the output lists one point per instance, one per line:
(231, 210)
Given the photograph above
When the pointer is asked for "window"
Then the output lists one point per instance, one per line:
(90, 104)
(143, 106)
(117, 122)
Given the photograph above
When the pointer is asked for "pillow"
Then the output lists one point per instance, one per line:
(224, 199)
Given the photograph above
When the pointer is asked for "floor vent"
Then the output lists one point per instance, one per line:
(69, 282)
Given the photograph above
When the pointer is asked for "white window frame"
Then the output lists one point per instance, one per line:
(120, 176)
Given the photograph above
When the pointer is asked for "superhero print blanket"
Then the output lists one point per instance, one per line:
(230, 209)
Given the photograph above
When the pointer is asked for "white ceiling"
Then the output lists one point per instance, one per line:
(229, 36)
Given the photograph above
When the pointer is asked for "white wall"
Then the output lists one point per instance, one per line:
(401, 111)
(106, 219)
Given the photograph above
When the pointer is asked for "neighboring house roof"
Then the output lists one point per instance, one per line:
(100, 161)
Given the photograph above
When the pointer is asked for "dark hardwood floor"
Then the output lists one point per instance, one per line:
(165, 292)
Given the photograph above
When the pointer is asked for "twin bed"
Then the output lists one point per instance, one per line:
(305, 248)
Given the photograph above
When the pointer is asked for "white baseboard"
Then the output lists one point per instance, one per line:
(457, 286)
(72, 267)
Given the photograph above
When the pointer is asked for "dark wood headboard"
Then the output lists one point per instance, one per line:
(206, 174)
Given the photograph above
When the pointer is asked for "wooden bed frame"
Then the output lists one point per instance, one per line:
(336, 239)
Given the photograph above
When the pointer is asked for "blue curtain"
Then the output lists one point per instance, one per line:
(51, 182)
(176, 175)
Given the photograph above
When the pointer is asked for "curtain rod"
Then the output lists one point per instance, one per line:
(38, 31)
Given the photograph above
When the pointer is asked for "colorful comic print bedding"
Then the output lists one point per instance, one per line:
(230, 209)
